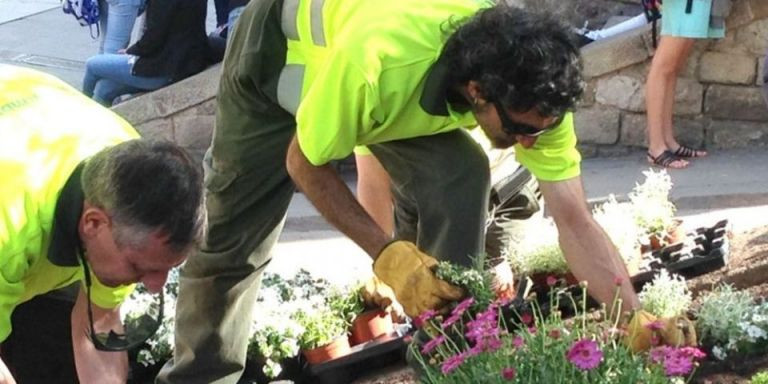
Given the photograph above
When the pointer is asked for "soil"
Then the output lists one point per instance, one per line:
(747, 268)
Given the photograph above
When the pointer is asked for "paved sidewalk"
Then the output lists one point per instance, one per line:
(38, 34)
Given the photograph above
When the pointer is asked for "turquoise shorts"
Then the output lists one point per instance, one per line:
(675, 22)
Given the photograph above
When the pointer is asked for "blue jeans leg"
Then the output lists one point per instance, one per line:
(117, 20)
(110, 75)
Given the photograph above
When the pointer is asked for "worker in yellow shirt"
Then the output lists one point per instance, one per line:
(305, 81)
(83, 198)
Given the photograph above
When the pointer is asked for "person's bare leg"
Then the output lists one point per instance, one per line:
(660, 93)
(669, 104)
(373, 191)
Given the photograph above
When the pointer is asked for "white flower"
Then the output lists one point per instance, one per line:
(754, 332)
(719, 353)
(666, 296)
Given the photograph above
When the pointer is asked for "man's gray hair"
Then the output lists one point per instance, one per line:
(146, 186)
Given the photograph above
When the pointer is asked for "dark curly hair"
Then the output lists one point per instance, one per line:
(519, 58)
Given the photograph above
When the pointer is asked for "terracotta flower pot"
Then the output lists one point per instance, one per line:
(371, 325)
(337, 348)
(675, 234)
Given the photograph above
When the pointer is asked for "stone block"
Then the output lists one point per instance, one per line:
(759, 8)
(193, 131)
(737, 134)
(169, 100)
(728, 44)
(727, 68)
(741, 14)
(634, 131)
(754, 37)
(623, 92)
(137, 110)
(588, 97)
(730, 102)
(633, 126)
(610, 55)
(158, 129)
(597, 125)
(690, 132)
(689, 97)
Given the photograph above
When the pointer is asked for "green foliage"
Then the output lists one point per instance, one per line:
(346, 303)
(320, 327)
(721, 312)
(476, 281)
(666, 296)
(653, 211)
(732, 323)
(541, 352)
(759, 378)
(272, 344)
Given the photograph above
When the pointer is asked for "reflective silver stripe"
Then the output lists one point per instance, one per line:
(316, 22)
(289, 87)
(288, 19)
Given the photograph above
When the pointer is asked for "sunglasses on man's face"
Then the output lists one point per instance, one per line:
(511, 127)
(136, 332)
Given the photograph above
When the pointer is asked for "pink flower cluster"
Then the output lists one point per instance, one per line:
(585, 354)
(676, 361)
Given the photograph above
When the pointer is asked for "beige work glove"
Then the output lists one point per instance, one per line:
(410, 274)
(677, 331)
(377, 294)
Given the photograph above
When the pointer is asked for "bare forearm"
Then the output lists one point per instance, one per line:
(592, 257)
(94, 366)
(590, 254)
(325, 189)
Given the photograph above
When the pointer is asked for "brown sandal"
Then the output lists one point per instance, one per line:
(685, 151)
(664, 159)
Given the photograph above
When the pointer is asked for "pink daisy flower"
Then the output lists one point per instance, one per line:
(585, 354)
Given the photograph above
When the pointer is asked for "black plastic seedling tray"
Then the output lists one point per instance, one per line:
(363, 359)
(708, 251)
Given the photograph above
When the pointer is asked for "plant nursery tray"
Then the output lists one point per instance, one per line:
(706, 249)
(362, 359)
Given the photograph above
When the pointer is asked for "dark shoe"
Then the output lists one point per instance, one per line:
(684, 151)
(664, 160)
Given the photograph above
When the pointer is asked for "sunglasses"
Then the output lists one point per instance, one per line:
(511, 127)
(136, 331)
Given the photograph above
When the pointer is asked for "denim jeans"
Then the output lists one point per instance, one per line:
(108, 76)
(116, 23)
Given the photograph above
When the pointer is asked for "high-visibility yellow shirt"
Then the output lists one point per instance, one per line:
(363, 72)
(47, 129)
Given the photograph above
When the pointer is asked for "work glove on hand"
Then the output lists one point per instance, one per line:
(410, 274)
(503, 283)
(377, 294)
(643, 327)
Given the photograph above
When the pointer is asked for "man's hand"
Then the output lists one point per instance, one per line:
(5, 374)
(410, 274)
(377, 294)
(644, 327)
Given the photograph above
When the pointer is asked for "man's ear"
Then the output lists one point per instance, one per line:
(474, 95)
(93, 220)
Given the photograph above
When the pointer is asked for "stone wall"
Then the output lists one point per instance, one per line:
(718, 100)
(718, 103)
(183, 112)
